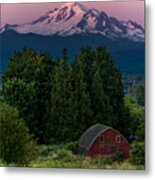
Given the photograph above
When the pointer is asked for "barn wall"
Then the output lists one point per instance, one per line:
(109, 147)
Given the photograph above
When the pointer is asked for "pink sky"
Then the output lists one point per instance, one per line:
(26, 12)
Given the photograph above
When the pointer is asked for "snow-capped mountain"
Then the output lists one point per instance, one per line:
(74, 18)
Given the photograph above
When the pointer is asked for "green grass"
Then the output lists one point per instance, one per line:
(61, 156)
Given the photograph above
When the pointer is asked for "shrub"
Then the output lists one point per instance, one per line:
(72, 146)
(65, 156)
(117, 157)
(138, 153)
(16, 144)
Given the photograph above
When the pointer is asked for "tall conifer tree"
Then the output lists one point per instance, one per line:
(102, 110)
(81, 100)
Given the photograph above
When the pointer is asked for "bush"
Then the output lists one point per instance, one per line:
(16, 144)
(138, 153)
(72, 146)
(117, 157)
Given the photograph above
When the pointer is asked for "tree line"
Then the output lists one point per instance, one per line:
(59, 99)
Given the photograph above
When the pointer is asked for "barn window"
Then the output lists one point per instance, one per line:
(118, 139)
(101, 139)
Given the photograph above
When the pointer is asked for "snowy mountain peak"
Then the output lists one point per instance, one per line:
(73, 18)
(95, 11)
(69, 4)
(74, 5)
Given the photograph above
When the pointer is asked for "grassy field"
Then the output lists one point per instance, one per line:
(61, 156)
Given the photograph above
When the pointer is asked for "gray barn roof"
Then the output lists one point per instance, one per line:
(89, 136)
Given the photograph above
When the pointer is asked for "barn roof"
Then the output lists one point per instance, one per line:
(89, 137)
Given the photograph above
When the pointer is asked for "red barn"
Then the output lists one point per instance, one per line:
(100, 140)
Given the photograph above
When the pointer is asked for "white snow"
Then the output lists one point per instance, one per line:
(95, 11)
(55, 26)
(103, 23)
(117, 29)
(2, 29)
(67, 25)
(91, 23)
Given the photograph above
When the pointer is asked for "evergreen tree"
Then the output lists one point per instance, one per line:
(87, 57)
(64, 57)
(112, 86)
(43, 67)
(81, 101)
(61, 103)
(111, 83)
(100, 101)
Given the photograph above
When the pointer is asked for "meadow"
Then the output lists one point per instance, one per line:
(62, 156)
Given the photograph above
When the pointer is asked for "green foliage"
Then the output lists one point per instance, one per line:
(20, 94)
(16, 145)
(103, 77)
(138, 153)
(103, 161)
(87, 57)
(58, 156)
(112, 86)
(136, 118)
(27, 86)
(102, 110)
(82, 113)
(72, 146)
(59, 101)
(61, 110)
(117, 157)
(134, 102)
(80, 97)
(138, 92)
(141, 127)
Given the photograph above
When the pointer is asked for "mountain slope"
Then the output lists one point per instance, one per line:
(74, 18)
(74, 26)
(128, 55)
